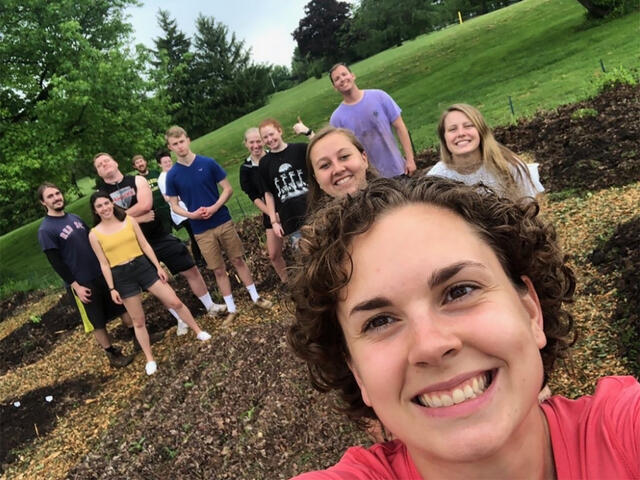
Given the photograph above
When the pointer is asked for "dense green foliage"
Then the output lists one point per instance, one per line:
(68, 88)
(607, 8)
(210, 80)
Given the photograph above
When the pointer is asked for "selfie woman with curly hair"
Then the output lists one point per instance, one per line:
(440, 309)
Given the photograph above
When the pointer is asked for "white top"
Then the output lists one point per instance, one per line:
(162, 185)
(482, 175)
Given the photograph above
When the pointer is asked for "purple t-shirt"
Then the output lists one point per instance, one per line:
(370, 119)
(197, 186)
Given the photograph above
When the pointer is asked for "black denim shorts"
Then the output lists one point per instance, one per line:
(133, 277)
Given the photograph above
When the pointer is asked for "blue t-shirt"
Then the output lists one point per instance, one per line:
(70, 235)
(197, 186)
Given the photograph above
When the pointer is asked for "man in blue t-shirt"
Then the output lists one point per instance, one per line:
(195, 179)
(64, 238)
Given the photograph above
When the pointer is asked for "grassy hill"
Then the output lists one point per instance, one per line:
(541, 53)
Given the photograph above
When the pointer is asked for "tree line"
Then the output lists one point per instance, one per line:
(336, 31)
(71, 86)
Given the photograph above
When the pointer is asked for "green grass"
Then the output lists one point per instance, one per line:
(541, 53)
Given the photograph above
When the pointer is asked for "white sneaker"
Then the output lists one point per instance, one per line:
(150, 368)
(203, 336)
(216, 309)
(183, 328)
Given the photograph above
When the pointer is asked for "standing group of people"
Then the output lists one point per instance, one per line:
(435, 306)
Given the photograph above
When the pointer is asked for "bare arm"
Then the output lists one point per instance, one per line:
(271, 211)
(301, 129)
(405, 141)
(175, 206)
(227, 191)
(104, 266)
(145, 200)
(258, 202)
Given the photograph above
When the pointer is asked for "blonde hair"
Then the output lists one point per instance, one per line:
(175, 131)
(136, 157)
(495, 157)
(249, 131)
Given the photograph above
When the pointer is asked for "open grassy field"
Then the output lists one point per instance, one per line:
(541, 53)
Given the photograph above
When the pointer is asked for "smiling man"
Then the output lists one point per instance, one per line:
(64, 238)
(370, 114)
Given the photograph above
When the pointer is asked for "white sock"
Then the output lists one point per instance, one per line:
(206, 301)
(231, 306)
(253, 292)
(175, 314)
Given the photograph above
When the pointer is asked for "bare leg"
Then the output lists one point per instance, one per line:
(168, 297)
(195, 280)
(126, 319)
(222, 279)
(134, 308)
(101, 336)
(243, 271)
(274, 249)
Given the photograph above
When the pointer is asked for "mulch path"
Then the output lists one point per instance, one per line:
(240, 405)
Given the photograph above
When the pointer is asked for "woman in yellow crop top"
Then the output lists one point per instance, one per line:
(121, 247)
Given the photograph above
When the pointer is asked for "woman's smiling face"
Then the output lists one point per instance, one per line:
(443, 346)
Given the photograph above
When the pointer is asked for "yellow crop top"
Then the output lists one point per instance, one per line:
(120, 247)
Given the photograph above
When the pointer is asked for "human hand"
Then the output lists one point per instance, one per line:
(198, 214)
(410, 167)
(163, 275)
(300, 128)
(277, 229)
(146, 217)
(115, 296)
(83, 293)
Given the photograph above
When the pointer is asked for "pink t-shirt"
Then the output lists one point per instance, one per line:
(596, 436)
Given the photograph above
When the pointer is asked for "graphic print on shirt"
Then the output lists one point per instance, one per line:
(68, 230)
(123, 197)
(289, 182)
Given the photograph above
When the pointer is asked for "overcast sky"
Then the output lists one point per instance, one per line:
(264, 25)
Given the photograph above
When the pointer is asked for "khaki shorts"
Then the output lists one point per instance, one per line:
(213, 241)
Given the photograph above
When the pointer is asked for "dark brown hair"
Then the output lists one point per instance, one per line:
(522, 242)
(43, 187)
(118, 211)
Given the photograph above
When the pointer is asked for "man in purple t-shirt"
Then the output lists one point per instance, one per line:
(195, 179)
(370, 114)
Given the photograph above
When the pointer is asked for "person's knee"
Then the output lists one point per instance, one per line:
(137, 321)
(237, 262)
(275, 255)
(220, 272)
(190, 273)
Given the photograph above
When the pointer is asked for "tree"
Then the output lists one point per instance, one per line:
(172, 57)
(68, 89)
(318, 37)
(605, 8)
(225, 83)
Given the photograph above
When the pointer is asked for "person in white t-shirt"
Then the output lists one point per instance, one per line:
(469, 153)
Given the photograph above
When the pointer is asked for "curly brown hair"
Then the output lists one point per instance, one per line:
(523, 243)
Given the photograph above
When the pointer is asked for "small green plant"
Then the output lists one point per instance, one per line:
(171, 453)
(136, 447)
(581, 113)
(188, 384)
(35, 319)
(618, 76)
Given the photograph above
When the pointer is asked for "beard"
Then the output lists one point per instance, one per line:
(59, 208)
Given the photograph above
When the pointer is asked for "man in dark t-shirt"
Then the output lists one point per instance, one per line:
(64, 238)
(135, 196)
(160, 206)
